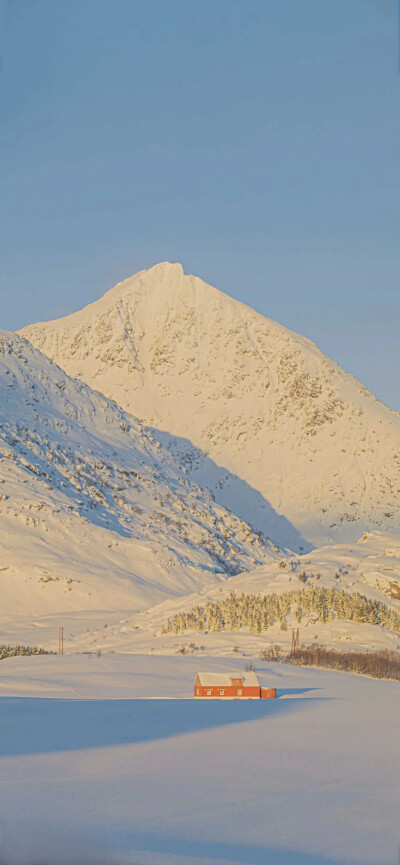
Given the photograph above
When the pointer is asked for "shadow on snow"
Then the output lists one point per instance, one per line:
(32, 725)
(293, 692)
(233, 492)
(230, 852)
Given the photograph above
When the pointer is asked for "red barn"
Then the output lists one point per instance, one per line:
(237, 686)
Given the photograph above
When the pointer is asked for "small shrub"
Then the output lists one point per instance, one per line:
(271, 653)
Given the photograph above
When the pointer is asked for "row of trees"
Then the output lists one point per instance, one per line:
(380, 665)
(257, 613)
(12, 651)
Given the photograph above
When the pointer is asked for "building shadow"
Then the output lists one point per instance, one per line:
(42, 725)
(293, 692)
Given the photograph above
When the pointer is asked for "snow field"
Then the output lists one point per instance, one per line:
(98, 765)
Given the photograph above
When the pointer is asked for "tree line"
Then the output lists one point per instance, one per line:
(380, 665)
(258, 613)
(12, 651)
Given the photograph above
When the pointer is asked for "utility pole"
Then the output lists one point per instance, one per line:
(61, 641)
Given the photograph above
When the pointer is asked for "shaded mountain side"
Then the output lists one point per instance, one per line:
(94, 512)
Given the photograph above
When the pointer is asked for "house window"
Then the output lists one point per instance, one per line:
(222, 692)
(208, 692)
(239, 692)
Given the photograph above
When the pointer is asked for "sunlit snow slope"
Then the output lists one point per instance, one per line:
(94, 513)
(369, 567)
(276, 429)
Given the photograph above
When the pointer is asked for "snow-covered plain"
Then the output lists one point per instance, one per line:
(97, 765)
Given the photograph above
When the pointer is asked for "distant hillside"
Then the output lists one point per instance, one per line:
(346, 595)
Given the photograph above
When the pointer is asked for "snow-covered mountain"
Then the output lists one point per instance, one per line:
(94, 512)
(278, 431)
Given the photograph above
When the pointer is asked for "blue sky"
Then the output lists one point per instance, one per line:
(256, 142)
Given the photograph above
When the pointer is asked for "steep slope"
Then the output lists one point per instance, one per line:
(276, 429)
(94, 513)
(369, 567)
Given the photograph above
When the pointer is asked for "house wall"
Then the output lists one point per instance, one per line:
(268, 693)
(229, 691)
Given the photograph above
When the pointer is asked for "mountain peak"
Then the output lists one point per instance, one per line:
(153, 276)
(173, 268)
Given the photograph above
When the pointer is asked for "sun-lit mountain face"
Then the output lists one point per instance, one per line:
(275, 429)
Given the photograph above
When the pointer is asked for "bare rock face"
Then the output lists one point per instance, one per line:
(275, 429)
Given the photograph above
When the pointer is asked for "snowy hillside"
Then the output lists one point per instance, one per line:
(370, 567)
(277, 430)
(94, 513)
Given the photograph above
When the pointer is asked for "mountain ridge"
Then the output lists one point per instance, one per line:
(94, 512)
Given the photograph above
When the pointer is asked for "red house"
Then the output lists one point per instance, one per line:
(243, 686)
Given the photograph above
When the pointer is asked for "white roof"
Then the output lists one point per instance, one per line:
(251, 680)
(224, 680)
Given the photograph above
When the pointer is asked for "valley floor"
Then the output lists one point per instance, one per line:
(98, 765)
